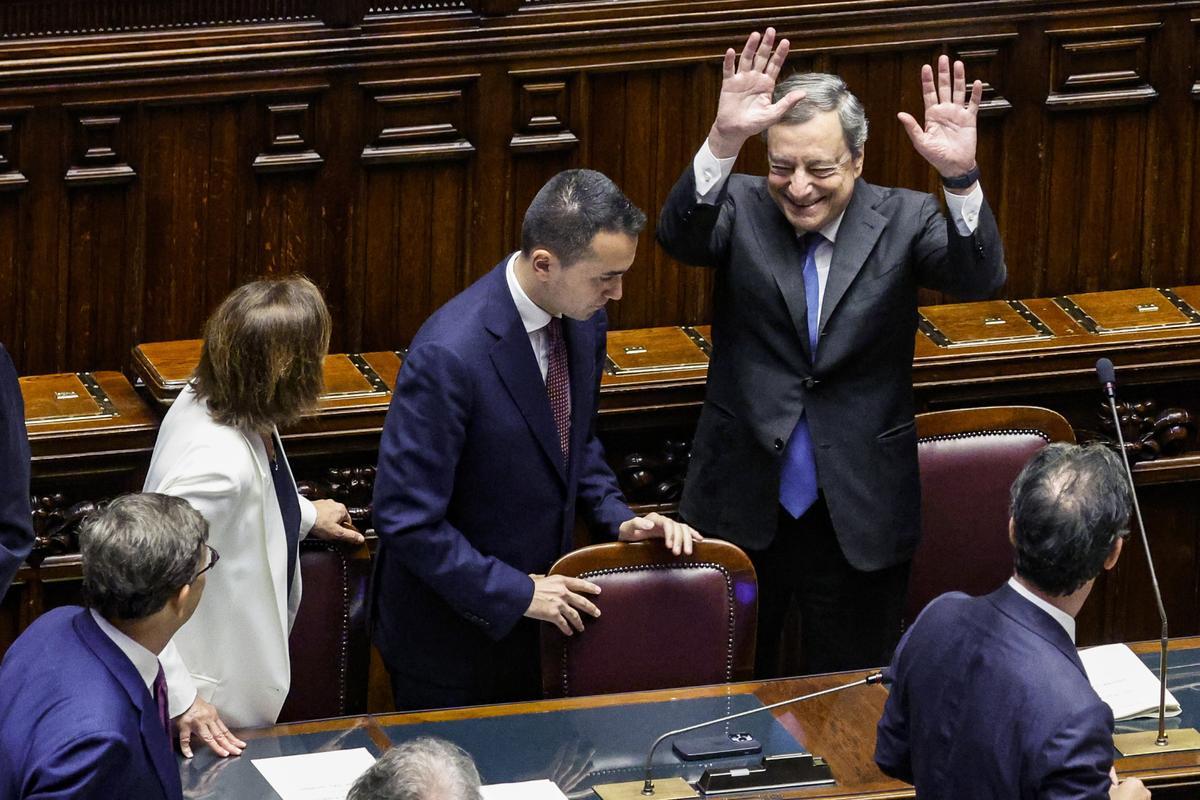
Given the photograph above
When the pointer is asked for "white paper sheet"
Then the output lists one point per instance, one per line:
(527, 790)
(315, 776)
(1124, 682)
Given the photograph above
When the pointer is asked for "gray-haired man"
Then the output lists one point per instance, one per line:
(426, 768)
(805, 453)
(83, 701)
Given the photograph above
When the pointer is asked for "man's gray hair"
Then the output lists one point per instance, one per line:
(425, 768)
(138, 552)
(825, 92)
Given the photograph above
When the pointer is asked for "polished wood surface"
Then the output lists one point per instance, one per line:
(840, 727)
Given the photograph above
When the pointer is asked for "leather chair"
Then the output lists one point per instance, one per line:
(330, 650)
(665, 621)
(969, 459)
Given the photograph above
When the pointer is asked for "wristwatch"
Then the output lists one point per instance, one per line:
(962, 181)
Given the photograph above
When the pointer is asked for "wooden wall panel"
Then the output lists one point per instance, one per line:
(143, 175)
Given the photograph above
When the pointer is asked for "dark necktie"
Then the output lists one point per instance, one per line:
(798, 477)
(558, 386)
(160, 698)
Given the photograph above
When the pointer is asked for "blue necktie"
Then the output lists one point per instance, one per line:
(798, 478)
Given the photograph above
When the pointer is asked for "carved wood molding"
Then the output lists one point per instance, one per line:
(11, 177)
(1106, 67)
(543, 113)
(100, 142)
(420, 119)
(987, 61)
(290, 130)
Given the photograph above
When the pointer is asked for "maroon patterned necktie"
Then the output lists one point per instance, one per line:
(558, 386)
(160, 698)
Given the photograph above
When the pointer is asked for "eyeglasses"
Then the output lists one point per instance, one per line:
(817, 171)
(213, 558)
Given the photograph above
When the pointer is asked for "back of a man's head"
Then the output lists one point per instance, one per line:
(421, 769)
(138, 552)
(1069, 505)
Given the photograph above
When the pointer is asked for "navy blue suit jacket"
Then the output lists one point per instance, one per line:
(76, 720)
(990, 700)
(471, 494)
(16, 524)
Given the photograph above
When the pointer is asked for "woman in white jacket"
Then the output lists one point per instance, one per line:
(219, 448)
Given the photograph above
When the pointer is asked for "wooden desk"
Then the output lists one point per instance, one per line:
(840, 727)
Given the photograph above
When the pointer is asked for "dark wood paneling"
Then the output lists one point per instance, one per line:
(146, 173)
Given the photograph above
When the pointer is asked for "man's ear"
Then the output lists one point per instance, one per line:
(542, 260)
(1115, 553)
(178, 602)
(858, 162)
(1012, 532)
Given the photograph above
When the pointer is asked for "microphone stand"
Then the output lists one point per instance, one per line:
(678, 788)
(1146, 742)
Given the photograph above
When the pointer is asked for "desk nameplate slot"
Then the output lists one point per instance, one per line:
(1003, 322)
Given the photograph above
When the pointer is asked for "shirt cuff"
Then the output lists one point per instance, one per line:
(711, 173)
(308, 516)
(964, 209)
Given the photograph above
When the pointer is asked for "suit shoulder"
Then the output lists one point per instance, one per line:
(457, 323)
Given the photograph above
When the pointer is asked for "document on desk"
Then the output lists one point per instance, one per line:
(1124, 682)
(526, 790)
(315, 776)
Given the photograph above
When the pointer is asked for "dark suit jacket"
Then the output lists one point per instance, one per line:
(76, 720)
(16, 523)
(857, 394)
(471, 494)
(990, 700)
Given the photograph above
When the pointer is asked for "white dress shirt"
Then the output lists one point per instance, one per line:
(712, 172)
(533, 317)
(145, 662)
(1059, 616)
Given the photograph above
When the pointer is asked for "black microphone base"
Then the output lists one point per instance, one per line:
(775, 772)
(1145, 743)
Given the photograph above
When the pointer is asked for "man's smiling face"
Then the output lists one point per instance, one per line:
(812, 170)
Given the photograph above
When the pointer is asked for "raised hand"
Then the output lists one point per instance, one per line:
(948, 139)
(745, 107)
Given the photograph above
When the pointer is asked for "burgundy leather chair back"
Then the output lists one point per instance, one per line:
(330, 651)
(665, 621)
(969, 459)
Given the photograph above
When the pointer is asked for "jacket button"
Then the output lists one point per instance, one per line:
(779, 444)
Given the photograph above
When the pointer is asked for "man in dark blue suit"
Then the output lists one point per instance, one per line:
(16, 523)
(489, 450)
(83, 701)
(990, 699)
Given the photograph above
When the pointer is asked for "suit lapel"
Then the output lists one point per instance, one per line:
(517, 366)
(784, 259)
(155, 741)
(860, 229)
(1038, 621)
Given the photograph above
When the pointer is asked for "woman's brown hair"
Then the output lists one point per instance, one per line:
(263, 358)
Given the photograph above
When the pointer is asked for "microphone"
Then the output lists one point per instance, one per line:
(1107, 376)
(674, 788)
(1144, 742)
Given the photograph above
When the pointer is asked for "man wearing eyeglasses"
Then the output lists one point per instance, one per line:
(83, 696)
(805, 452)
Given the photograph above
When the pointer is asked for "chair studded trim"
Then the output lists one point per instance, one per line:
(730, 602)
(946, 437)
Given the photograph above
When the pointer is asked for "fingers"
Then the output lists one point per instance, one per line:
(762, 56)
(960, 84)
(775, 64)
(579, 585)
(976, 96)
(943, 80)
(785, 103)
(928, 88)
(747, 60)
(727, 66)
(347, 533)
(911, 127)
(185, 739)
